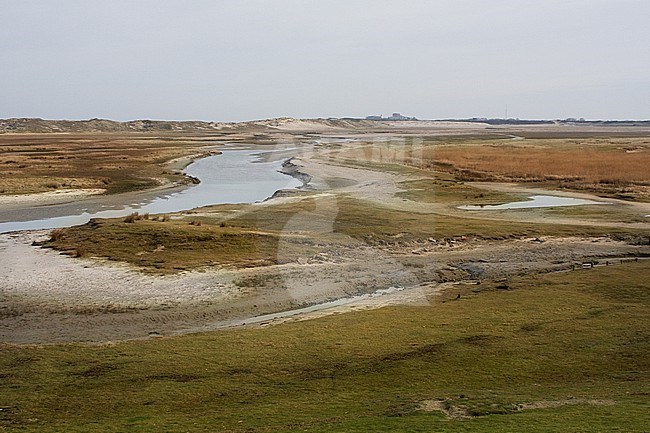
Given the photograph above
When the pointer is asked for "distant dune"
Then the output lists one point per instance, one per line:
(289, 124)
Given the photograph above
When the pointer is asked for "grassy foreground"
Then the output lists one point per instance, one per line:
(575, 345)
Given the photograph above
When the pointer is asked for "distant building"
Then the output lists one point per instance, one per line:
(393, 117)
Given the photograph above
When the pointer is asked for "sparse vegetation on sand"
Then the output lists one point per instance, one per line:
(562, 352)
(33, 163)
(166, 246)
(253, 239)
(251, 235)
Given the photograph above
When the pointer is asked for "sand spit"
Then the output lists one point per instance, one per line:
(47, 198)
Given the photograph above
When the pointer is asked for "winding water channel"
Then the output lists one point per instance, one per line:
(235, 176)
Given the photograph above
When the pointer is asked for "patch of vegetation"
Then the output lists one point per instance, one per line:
(245, 236)
(163, 246)
(371, 222)
(32, 163)
(598, 213)
(577, 337)
(450, 191)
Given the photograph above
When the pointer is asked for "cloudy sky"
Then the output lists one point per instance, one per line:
(231, 60)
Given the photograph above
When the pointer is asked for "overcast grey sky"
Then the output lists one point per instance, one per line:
(250, 59)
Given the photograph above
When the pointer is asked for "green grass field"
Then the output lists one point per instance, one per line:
(561, 340)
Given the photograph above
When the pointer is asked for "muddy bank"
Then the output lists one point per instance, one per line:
(51, 298)
(89, 204)
(293, 170)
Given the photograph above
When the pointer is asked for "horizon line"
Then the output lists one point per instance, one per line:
(414, 119)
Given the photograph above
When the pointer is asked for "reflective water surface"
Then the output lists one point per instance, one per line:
(235, 176)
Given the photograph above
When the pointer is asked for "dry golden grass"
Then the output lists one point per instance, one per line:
(31, 163)
(613, 167)
(590, 165)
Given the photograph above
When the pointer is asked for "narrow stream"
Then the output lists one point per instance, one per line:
(235, 176)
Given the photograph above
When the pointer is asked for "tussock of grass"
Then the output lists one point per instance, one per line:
(176, 245)
(576, 337)
(131, 218)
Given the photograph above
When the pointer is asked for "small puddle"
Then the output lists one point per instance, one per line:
(535, 201)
